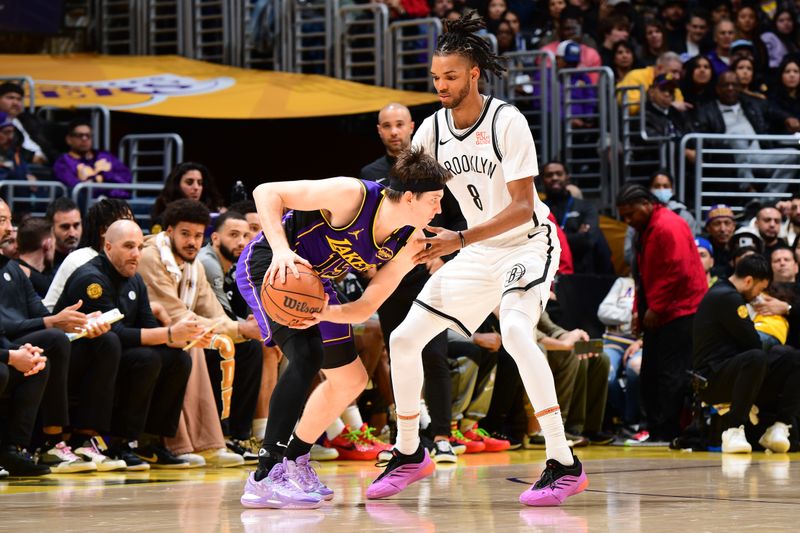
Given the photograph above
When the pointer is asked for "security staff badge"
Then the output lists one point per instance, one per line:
(94, 291)
(742, 312)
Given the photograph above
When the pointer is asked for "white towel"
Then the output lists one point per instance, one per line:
(185, 277)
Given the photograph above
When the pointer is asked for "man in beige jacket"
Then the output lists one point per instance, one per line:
(176, 279)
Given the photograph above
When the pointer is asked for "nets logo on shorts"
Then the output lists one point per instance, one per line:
(515, 274)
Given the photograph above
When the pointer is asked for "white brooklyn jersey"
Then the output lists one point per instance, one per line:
(497, 149)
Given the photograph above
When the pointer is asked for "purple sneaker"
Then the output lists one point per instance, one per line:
(558, 482)
(308, 479)
(279, 490)
(401, 471)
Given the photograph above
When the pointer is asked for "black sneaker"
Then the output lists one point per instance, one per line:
(160, 457)
(20, 464)
(600, 438)
(125, 453)
(515, 443)
(578, 441)
(443, 452)
(241, 447)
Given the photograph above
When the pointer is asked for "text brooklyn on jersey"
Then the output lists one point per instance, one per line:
(470, 163)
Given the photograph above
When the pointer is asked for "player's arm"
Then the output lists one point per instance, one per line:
(272, 199)
(379, 289)
(518, 212)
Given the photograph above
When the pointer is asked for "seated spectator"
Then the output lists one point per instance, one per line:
(150, 384)
(612, 29)
(8, 244)
(662, 119)
(440, 8)
(768, 225)
(219, 257)
(721, 10)
(177, 280)
(624, 353)
(65, 220)
(99, 217)
(735, 114)
(624, 59)
(36, 148)
(506, 39)
(12, 163)
(673, 15)
(36, 250)
(785, 94)
(751, 84)
(697, 41)
(406, 9)
(248, 209)
(23, 378)
(570, 28)
(720, 56)
(653, 44)
(781, 38)
(699, 83)
(791, 227)
(85, 164)
(521, 38)
(187, 180)
(706, 252)
(667, 63)
(719, 227)
(747, 28)
(773, 330)
(728, 353)
(579, 220)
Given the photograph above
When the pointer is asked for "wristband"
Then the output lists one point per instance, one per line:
(463, 242)
(169, 334)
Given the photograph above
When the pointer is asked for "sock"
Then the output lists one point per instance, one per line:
(553, 430)
(424, 415)
(259, 428)
(52, 440)
(352, 417)
(266, 460)
(407, 433)
(297, 448)
(335, 429)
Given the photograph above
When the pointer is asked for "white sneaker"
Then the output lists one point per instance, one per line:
(194, 460)
(776, 438)
(443, 452)
(91, 451)
(61, 460)
(321, 453)
(734, 441)
(3, 472)
(221, 458)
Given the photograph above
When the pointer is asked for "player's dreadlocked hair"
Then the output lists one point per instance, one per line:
(633, 193)
(99, 217)
(458, 37)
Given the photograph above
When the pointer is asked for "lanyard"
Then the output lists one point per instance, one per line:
(566, 211)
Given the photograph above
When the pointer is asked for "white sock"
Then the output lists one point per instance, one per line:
(352, 417)
(335, 429)
(259, 428)
(517, 329)
(407, 433)
(424, 415)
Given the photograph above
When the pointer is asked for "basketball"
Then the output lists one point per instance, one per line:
(296, 300)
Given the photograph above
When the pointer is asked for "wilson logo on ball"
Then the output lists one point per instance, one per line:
(301, 307)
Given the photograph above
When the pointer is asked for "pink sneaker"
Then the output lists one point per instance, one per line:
(279, 490)
(401, 471)
(558, 482)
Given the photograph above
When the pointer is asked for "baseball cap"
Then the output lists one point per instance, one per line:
(5, 120)
(745, 236)
(570, 51)
(665, 81)
(719, 211)
(702, 242)
(742, 43)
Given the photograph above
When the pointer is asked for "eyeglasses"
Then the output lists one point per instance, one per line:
(81, 135)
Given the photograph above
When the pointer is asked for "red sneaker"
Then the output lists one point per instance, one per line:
(491, 444)
(458, 439)
(369, 438)
(350, 446)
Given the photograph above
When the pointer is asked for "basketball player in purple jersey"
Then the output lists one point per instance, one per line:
(333, 226)
(509, 256)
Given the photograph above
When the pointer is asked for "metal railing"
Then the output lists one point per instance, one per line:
(724, 171)
(409, 48)
(165, 27)
(151, 156)
(27, 84)
(590, 152)
(307, 35)
(359, 42)
(83, 194)
(35, 196)
(530, 84)
(99, 118)
(641, 154)
(121, 27)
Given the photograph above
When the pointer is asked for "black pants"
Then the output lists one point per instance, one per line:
(770, 380)
(506, 411)
(438, 387)
(20, 398)
(149, 391)
(93, 370)
(666, 357)
(246, 385)
(56, 346)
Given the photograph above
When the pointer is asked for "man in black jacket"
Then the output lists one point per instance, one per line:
(152, 377)
(579, 220)
(728, 353)
(735, 114)
(394, 128)
(36, 147)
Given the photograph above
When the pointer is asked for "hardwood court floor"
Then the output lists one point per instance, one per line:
(631, 490)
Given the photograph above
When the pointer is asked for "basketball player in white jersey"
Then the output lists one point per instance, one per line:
(509, 256)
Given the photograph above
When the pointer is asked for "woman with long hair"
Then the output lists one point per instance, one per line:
(748, 28)
(699, 82)
(187, 180)
(787, 94)
(751, 82)
(781, 39)
(654, 43)
(623, 59)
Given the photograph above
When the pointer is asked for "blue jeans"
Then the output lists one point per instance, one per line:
(623, 384)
